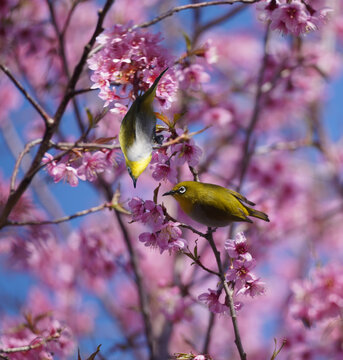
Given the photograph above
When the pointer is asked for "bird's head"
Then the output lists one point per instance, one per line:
(185, 193)
(135, 168)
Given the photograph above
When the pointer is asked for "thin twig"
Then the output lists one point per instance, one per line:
(27, 148)
(191, 6)
(13, 350)
(63, 219)
(47, 119)
(206, 347)
(82, 91)
(143, 301)
(60, 38)
(285, 146)
(51, 129)
(178, 9)
(247, 153)
(168, 217)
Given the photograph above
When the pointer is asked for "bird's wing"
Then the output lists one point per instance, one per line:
(232, 208)
(127, 132)
(240, 197)
(145, 117)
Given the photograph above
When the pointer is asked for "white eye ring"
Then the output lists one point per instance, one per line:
(181, 190)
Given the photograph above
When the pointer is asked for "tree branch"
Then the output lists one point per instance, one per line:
(191, 6)
(143, 301)
(60, 38)
(63, 219)
(50, 130)
(247, 153)
(47, 119)
(52, 337)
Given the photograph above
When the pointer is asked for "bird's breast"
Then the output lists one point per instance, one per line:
(209, 216)
(140, 149)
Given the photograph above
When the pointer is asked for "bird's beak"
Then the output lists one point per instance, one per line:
(134, 180)
(171, 192)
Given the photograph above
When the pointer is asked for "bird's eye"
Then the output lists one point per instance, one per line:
(181, 190)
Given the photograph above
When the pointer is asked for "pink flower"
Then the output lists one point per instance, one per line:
(132, 58)
(252, 287)
(186, 152)
(217, 116)
(136, 205)
(193, 77)
(238, 247)
(169, 238)
(211, 299)
(149, 239)
(292, 18)
(240, 272)
(174, 305)
(60, 171)
(92, 164)
(266, 8)
(153, 215)
(200, 357)
(164, 167)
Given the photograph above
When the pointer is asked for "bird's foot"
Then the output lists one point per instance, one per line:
(158, 139)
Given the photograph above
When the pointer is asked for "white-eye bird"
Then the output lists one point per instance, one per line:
(137, 133)
(213, 205)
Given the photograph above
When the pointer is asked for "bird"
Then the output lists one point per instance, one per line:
(137, 133)
(213, 205)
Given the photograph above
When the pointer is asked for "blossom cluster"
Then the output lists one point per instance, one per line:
(239, 273)
(166, 234)
(292, 17)
(320, 298)
(173, 305)
(166, 160)
(72, 169)
(131, 58)
(43, 333)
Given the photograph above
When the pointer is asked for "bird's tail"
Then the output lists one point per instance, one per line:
(257, 214)
(149, 95)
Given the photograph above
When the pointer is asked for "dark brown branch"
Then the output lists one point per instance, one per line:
(247, 152)
(63, 219)
(47, 119)
(52, 127)
(143, 301)
(191, 6)
(206, 347)
(60, 38)
(217, 21)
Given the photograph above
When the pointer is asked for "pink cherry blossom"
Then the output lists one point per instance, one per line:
(240, 272)
(292, 18)
(186, 152)
(238, 247)
(169, 238)
(92, 165)
(163, 166)
(193, 77)
(137, 208)
(153, 215)
(252, 287)
(211, 299)
(61, 171)
(132, 58)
